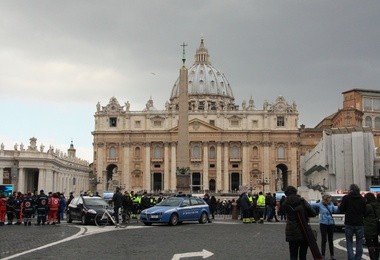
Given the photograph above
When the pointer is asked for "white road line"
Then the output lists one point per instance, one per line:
(84, 231)
(338, 246)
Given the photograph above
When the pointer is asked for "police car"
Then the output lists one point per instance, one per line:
(174, 210)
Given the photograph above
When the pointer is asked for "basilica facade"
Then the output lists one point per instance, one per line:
(226, 145)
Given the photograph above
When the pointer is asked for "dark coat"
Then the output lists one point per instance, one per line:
(370, 219)
(244, 202)
(353, 206)
(293, 204)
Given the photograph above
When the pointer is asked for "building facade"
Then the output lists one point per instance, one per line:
(228, 145)
(31, 169)
(361, 108)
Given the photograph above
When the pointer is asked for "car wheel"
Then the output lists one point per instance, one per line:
(84, 220)
(69, 218)
(204, 218)
(173, 219)
(147, 223)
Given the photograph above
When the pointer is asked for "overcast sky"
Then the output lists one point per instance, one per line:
(59, 58)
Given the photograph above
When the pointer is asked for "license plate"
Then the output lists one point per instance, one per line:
(154, 216)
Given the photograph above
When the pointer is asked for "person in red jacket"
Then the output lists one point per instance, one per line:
(53, 208)
(3, 209)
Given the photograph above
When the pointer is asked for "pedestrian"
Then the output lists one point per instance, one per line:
(371, 219)
(293, 205)
(3, 208)
(28, 209)
(62, 207)
(245, 207)
(213, 206)
(117, 200)
(18, 207)
(53, 209)
(127, 204)
(281, 211)
(10, 209)
(260, 207)
(326, 223)
(160, 197)
(42, 208)
(353, 207)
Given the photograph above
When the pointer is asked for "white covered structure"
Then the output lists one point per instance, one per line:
(342, 157)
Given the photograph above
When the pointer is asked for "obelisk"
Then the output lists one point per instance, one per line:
(183, 158)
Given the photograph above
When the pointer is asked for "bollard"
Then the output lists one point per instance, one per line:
(235, 214)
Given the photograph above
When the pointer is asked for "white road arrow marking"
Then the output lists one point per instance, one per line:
(338, 246)
(204, 253)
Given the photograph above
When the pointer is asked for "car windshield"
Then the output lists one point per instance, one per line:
(171, 202)
(95, 202)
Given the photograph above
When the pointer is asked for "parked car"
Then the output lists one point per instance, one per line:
(85, 208)
(175, 210)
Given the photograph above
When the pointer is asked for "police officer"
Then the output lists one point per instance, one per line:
(28, 209)
(42, 207)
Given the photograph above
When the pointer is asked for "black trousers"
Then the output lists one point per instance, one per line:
(298, 250)
(327, 233)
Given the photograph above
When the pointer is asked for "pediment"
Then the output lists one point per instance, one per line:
(196, 125)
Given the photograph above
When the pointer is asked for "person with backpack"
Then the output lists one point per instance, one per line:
(326, 222)
(371, 225)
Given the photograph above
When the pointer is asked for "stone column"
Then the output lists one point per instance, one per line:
(166, 167)
(173, 176)
(126, 171)
(41, 180)
(205, 166)
(49, 181)
(245, 164)
(219, 176)
(1, 175)
(21, 180)
(226, 175)
(147, 184)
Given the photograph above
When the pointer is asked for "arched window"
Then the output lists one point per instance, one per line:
(137, 152)
(281, 152)
(157, 152)
(112, 153)
(235, 152)
(368, 121)
(212, 152)
(377, 122)
(255, 152)
(196, 151)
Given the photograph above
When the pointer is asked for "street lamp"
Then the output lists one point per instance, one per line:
(263, 181)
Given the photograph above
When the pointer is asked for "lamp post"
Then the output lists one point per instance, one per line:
(263, 181)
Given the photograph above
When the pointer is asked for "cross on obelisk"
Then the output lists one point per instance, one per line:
(183, 52)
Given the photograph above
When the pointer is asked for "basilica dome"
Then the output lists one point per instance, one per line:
(204, 80)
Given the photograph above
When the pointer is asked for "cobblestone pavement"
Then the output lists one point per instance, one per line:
(19, 238)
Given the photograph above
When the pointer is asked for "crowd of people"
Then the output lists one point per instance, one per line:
(361, 221)
(20, 208)
(259, 207)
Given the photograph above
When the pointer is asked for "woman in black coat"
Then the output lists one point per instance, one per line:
(294, 236)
